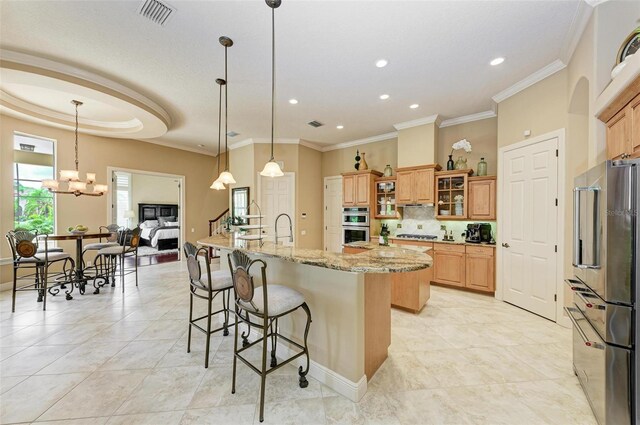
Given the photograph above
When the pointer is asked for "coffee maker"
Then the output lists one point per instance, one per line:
(478, 233)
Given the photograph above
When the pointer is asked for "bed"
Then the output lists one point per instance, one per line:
(159, 225)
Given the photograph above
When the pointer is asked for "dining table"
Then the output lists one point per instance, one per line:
(78, 271)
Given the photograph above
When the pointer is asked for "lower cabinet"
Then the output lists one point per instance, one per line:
(352, 250)
(467, 266)
(411, 291)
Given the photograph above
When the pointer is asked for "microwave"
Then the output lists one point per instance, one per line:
(355, 216)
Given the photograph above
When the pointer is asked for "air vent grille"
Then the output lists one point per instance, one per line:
(315, 123)
(232, 134)
(156, 11)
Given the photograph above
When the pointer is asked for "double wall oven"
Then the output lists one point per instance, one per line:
(355, 224)
(606, 249)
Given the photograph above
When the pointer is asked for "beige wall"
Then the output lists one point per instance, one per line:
(418, 145)
(483, 136)
(378, 155)
(96, 154)
(540, 108)
(151, 189)
(309, 199)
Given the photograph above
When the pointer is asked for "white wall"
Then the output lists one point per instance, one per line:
(149, 189)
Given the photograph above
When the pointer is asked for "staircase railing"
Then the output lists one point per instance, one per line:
(216, 226)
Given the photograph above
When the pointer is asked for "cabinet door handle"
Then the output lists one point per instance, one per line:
(505, 245)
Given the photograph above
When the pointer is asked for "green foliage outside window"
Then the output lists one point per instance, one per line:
(33, 209)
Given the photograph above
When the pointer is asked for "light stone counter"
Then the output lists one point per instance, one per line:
(349, 296)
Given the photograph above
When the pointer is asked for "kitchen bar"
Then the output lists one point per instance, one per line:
(350, 300)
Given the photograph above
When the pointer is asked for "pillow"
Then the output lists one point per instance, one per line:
(171, 223)
(163, 220)
(149, 224)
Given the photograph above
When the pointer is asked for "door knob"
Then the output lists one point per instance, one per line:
(505, 245)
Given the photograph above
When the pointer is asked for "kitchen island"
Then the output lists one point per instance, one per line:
(349, 296)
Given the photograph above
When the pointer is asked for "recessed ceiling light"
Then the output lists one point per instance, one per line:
(293, 101)
(201, 146)
(339, 127)
(414, 106)
(384, 96)
(496, 61)
(381, 63)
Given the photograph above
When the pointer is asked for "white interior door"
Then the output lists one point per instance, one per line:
(530, 190)
(277, 197)
(333, 214)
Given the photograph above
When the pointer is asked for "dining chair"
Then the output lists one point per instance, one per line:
(261, 307)
(206, 287)
(32, 260)
(111, 259)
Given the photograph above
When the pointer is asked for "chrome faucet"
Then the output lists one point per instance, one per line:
(290, 227)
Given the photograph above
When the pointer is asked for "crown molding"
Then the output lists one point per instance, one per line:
(468, 118)
(579, 23)
(372, 139)
(179, 147)
(539, 75)
(265, 141)
(415, 123)
(311, 145)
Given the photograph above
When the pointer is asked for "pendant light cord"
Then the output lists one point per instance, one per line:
(226, 106)
(273, 74)
(219, 126)
(76, 137)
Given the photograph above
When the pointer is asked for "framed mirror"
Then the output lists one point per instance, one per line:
(239, 203)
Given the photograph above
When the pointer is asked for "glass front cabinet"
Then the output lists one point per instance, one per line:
(386, 206)
(452, 194)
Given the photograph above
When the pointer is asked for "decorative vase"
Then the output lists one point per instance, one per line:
(363, 163)
(482, 167)
(357, 158)
(450, 163)
(388, 171)
(461, 163)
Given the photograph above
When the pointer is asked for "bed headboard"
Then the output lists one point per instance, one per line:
(153, 211)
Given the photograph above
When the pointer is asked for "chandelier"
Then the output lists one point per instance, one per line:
(70, 177)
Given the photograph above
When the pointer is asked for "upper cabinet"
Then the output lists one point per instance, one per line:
(482, 198)
(622, 118)
(452, 194)
(415, 185)
(358, 188)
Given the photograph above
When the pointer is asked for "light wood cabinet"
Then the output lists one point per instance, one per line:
(482, 198)
(352, 250)
(452, 191)
(415, 184)
(622, 119)
(358, 189)
(480, 268)
(449, 264)
(411, 291)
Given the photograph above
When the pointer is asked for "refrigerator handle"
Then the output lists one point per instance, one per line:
(595, 240)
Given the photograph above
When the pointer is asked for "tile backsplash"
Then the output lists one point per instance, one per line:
(421, 220)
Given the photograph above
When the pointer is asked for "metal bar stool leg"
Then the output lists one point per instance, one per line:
(44, 287)
(263, 370)
(225, 307)
(190, 322)
(274, 342)
(303, 374)
(15, 288)
(206, 351)
(136, 266)
(235, 350)
(122, 272)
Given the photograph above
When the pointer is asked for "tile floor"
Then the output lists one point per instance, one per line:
(109, 359)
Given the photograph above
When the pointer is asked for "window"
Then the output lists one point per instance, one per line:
(123, 197)
(33, 205)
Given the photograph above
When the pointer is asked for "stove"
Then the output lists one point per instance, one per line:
(421, 237)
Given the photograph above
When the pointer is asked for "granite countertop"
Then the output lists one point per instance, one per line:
(377, 259)
(376, 245)
(458, 242)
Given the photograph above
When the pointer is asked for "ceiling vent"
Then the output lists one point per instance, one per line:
(315, 123)
(232, 134)
(27, 148)
(156, 11)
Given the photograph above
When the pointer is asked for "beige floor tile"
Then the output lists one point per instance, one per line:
(41, 391)
(99, 395)
(29, 335)
(308, 411)
(32, 359)
(164, 389)
(215, 388)
(402, 371)
(122, 331)
(139, 355)
(74, 334)
(84, 358)
(82, 421)
(6, 352)
(432, 406)
(8, 382)
(162, 418)
(236, 415)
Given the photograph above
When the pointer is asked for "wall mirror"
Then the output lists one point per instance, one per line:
(239, 203)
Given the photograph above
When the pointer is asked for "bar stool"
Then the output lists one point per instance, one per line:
(206, 287)
(265, 306)
(28, 255)
(109, 259)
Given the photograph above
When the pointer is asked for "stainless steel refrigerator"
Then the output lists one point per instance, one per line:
(606, 251)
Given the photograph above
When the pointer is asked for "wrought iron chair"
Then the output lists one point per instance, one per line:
(261, 308)
(111, 259)
(109, 241)
(206, 287)
(28, 255)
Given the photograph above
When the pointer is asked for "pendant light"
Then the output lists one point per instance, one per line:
(271, 168)
(217, 184)
(226, 177)
(71, 177)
